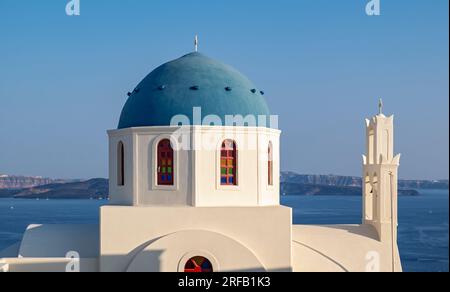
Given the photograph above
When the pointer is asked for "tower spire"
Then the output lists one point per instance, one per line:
(380, 106)
(380, 187)
(196, 43)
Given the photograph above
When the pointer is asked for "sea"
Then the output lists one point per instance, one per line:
(423, 221)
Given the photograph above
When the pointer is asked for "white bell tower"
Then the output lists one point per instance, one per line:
(380, 177)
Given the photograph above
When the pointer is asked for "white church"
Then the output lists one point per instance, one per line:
(197, 195)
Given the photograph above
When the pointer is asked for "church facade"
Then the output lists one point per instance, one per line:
(194, 181)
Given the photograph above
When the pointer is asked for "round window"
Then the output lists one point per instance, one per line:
(198, 264)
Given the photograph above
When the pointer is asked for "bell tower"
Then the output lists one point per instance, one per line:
(380, 190)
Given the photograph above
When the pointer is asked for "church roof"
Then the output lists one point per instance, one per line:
(193, 80)
(55, 241)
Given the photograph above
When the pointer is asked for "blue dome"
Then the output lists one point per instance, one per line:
(193, 80)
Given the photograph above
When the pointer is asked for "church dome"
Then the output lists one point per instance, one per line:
(193, 80)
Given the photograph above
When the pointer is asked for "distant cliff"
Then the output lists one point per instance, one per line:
(352, 181)
(98, 188)
(22, 182)
(298, 189)
(291, 184)
(94, 188)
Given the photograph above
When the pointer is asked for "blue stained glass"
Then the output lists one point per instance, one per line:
(224, 180)
(163, 177)
(231, 180)
(206, 265)
(169, 177)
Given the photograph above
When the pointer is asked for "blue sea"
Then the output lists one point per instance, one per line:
(423, 221)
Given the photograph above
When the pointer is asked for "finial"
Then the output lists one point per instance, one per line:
(380, 106)
(196, 43)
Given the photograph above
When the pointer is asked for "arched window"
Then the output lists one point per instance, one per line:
(228, 163)
(120, 164)
(270, 164)
(198, 265)
(165, 163)
(371, 147)
(368, 198)
(375, 187)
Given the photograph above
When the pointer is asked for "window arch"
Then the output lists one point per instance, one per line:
(228, 163)
(270, 164)
(120, 164)
(371, 147)
(375, 186)
(368, 198)
(165, 161)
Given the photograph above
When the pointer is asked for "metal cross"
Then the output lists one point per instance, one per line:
(196, 43)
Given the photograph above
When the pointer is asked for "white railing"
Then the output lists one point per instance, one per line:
(15, 265)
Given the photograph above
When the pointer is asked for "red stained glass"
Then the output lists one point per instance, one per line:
(198, 265)
(228, 163)
(165, 174)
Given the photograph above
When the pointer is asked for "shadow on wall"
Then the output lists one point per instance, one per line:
(176, 249)
(154, 256)
(11, 251)
(56, 241)
(152, 263)
(364, 230)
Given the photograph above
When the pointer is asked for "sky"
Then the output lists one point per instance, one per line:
(323, 65)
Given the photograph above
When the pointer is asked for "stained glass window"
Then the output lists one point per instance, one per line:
(198, 265)
(228, 163)
(165, 163)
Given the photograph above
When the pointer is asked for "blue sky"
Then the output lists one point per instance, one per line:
(323, 64)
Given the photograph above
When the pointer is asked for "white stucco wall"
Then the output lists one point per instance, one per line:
(342, 248)
(175, 250)
(197, 167)
(263, 231)
(148, 191)
(122, 195)
(252, 176)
